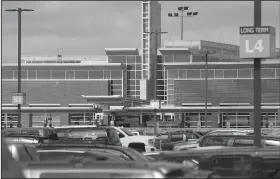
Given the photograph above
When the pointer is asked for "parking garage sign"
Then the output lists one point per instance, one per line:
(18, 98)
(257, 42)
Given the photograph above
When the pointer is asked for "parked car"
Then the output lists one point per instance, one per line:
(194, 143)
(81, 155)
(104, 169)
(32, 131)
(170, 139)
(126, 138)
(229, 141)
(128, 152)
(10, 168)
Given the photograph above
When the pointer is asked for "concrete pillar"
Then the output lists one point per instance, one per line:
(214, 118)
(25, 119)
(251, 120)
(278, 115)
(30, 120)
(64, 119)
(141, 119)
(6, 119)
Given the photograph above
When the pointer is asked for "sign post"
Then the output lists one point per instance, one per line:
(257, 42)
(155, 104)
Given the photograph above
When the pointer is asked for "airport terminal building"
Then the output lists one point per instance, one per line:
(180, 84)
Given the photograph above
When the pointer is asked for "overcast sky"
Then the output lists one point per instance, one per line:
(86, 28)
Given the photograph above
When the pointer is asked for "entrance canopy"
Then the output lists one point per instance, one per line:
(114, 100)
(139, 110)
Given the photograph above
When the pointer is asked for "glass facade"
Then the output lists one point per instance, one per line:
(115, 76)
(134, 72)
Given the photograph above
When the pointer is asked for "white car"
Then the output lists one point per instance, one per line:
(140, 142)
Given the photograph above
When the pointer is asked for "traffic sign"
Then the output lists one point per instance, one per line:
(155, 104)
(18, 98)
(257, 42)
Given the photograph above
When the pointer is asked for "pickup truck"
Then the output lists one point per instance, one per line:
(127, 139)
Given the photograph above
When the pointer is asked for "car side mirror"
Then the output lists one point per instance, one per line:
(121, 135)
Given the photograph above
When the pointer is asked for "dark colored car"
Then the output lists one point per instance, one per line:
(171, 138)
(32, 131)
(128, 152)
(79, 155)
(114, 169)
(101, 135)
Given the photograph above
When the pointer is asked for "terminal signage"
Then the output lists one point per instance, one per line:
(18, 98)
(257, 42)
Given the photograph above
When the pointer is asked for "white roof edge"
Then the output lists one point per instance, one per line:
(64, 64)
(46, 104)
(121, 49)
(195, 104)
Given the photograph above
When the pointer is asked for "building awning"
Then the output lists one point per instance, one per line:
(210, 109)
(114, 99)
(122, 51)
(51, 109)
(171, 51)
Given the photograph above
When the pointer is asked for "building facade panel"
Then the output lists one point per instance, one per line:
(61, 92)
(224, 91)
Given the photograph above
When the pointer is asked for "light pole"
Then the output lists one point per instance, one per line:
(19, 10)
(156, 33)
(206, 53)
(182, 9)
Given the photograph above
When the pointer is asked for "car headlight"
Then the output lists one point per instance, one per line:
(151, 141)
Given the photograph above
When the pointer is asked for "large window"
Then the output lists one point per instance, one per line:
(182, 58)
(138, 59)
(268, 73)
(193, 73)
(196, 58)
(138, 74)
(230, 73)
(23, 74)
(173, 74)
(32, 74)
(132, 74)
(131, 59)
(244, 73)
(43, 74)
(117, 59)
(98, 74)
(182, 74)
(278, 73)
(56, 74)
(116, 74)
(7, 74)
(210, 73)
(219, 73)
(116, 87)
(168, 58)
(70, 74)
(81, 74)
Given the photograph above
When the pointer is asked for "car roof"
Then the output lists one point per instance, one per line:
(78, 126)
(225, 151)
(104, 164)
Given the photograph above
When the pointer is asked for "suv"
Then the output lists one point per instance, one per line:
(116, 135)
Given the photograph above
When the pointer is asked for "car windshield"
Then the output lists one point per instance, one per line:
(126, 131)
(92, 133)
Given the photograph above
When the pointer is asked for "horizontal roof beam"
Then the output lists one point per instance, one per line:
(51, 109)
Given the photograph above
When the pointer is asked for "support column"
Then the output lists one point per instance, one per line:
(141, 119)
(6, 119)
(84, 118)
(30, 120)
